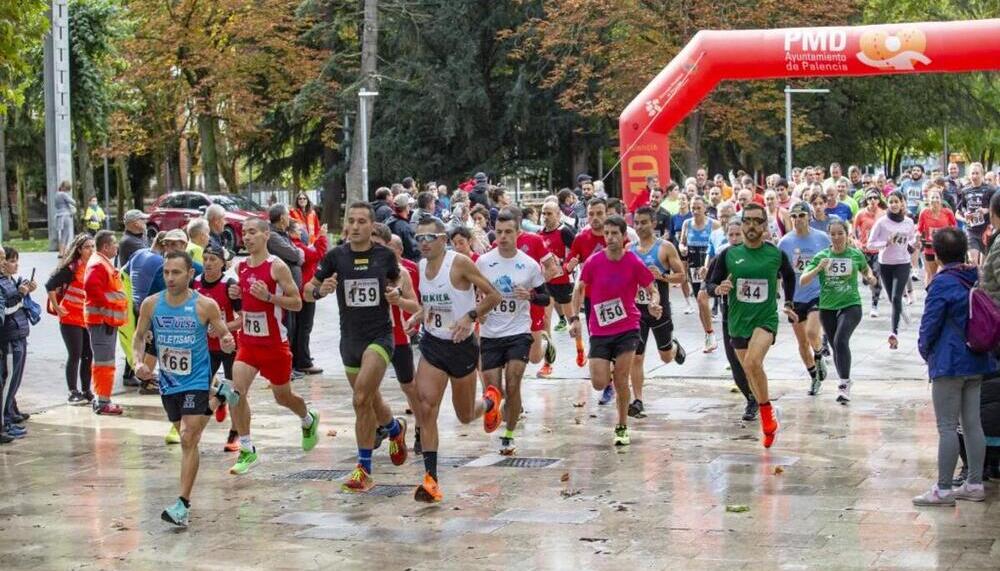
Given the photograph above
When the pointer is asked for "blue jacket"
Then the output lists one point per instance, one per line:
(16, 324)
(942, 328)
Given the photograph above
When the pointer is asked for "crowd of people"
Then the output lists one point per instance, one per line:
(480, 286)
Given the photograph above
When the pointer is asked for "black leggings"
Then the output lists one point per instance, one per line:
(79, 357)
(739, 375)
(895, 278)
(839, 325)
(877, 288)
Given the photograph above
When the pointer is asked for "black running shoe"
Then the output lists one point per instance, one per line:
(681, 355)
(750, 412)
(635, 409)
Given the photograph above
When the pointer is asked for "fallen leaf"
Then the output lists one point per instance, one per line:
(565, 477)
(778, 470)
(569, 493)
(737, 508)
(331, 433)
(578, 421)
(578, 404)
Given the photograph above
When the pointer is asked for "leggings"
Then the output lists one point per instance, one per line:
(78, 361)
(895, 278)
(956, 397)
(877, 288)
(739, 375)
(839, 325)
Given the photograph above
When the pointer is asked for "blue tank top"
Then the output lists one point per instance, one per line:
(652, 257)
(181, 346)
(699, 238)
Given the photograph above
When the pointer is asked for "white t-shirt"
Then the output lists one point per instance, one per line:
(511, 316)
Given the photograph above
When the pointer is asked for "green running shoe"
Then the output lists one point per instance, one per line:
(550, 349)
(622, 437)
(172, 437)
(561, 326)
(310, 435)
(246, 461)
(176, 514)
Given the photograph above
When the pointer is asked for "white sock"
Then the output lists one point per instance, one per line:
(246, 444)
(307, 420)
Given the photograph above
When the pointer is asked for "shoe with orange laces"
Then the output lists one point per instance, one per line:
(397, 445)
(220, 413)
(491, 419)
(429, 491)
(232, 442)
(769, 423)
(545, 371)
(359, 481)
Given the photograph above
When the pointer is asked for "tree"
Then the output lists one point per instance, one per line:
(24, 25)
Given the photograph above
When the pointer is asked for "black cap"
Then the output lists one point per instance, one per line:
(583, 177)
(218, 251)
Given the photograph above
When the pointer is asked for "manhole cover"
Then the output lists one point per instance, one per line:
(446, 461)
(324, 475)
(526, 462)
(391, 490)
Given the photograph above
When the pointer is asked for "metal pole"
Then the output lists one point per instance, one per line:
(947, 155)
(788, 134)
(363, 96)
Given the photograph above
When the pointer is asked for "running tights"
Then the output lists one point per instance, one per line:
(877, 288)
(77, 341)
(839, 325)
(895, 278)
(739, 375)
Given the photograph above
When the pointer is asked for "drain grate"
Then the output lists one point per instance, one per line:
(323, 475)
(526, 462)
(446, 461)
(391, 490)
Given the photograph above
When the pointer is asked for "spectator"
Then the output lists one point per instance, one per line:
(854, 178)
(409, 186)
(991, 267)
(567, 205)
(299, 339)
(15, 298)
(956, 371)
(725, 190)
(643, 196)
(478, 195)
(381, 204)
(426, 204)
(104, 311)
(461, 241)
(443, 200)
(198, 238)
(578, 189)
(305, 214)
(66, 298)
(280, 244)
(93, 216)
(482, 230)
(134, 238)
(399, 224)
(65, 213)
(215, 214)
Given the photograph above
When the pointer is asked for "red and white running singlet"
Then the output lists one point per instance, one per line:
(261, 320)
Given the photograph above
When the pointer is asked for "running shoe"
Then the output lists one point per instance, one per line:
(311, 435)
(428, 492)
(636, 408)
(418, 448)
(844, 393)
(962, 476)
(20, 417)
(893, 342)
(750, 411)
(681, 355)
(176, 514)
(16, 431)
(380, 434)
(970, 492)
(172, 437)
(873, 313)
(814, 387)
(561, 326)
(622, 437)
(710, 343)
(608, 395)
(550, 349)
(935, 497)
(770, 426)
(397, 445)
(232, 442)
(581, 358)
(545, 371)
(246, 461)
(297, 375)
(75, 397)
(688, 310)
(507, 447)
(88, 397)
(491, 419)
(826, 347)
(228, 394)
(108, 408)
(359, 481)
(6, 438)
(821, 370)
(221, 412)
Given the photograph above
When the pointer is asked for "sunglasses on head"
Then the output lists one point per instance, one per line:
(430, 237)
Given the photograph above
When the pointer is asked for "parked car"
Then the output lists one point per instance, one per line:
(175, 209)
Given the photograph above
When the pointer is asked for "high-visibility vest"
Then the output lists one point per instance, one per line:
(74, 298)
(106, 302)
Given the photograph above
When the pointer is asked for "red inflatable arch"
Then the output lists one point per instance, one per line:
(713, 56)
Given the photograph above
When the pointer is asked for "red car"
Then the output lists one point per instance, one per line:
(176, 209)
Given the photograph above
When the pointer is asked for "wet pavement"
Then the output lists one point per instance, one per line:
(86, 492)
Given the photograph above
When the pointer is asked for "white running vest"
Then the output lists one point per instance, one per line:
(444, 304)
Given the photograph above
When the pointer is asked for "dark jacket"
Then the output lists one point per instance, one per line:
(382, 210)
(480, 195)
(279, 244)
(989, 407)
(401, 227)
(130, 244)
(942, 328)
(15, 319)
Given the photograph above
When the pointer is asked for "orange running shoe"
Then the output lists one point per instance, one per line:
(359, 481)
(220, 413)
(491, 419)
(581, 358)
(545, 371)
(769, 424)
(397, 445)
(232, 442)
(428, 492)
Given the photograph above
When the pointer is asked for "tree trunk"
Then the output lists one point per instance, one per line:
(85, 168)
(227, 165)
(22, 203)
(580, 155)
(332, 191)
(4, 197)
(369, 55)
(209, 154)
(692, 133)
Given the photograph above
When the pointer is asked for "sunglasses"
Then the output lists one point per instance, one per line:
(754, 220)
(799, 215)
(424, 238)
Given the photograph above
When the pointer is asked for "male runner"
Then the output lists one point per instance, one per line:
(448, 350)
(748, 275)
(558, 240)
(213, 285)
(506, 331)
(974, 211)
(800, 246)
(179, 319)
(664, 262)
(612, 278)
(369, 273)
(267, 289)
(694, 241)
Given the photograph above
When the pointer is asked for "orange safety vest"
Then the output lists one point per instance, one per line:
(74, 298)
(108, 307)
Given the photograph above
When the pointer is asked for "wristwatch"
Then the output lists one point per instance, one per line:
(473, 315)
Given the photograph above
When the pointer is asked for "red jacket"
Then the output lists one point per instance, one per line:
(312, 255)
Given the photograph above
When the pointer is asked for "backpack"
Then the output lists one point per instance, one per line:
(982, 331)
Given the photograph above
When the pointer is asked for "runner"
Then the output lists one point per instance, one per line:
(838, 267)
(695, 239)
(371, 280)
(663, 261)
(734, 237)
(612, 278)
(748, 275)
(718, 241)
(213, 285)
(506, 330)
(930, 221)
(800, 246)
(448, 350)
(558, 240)
(181, 320)
(266, 289)
(894, 235)
(974, 211)
(863, 224)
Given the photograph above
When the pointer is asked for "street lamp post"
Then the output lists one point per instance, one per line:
(363, 96)
(788, 125)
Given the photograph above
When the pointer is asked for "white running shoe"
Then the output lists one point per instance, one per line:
(710, 343)
(873, 313)
(844, 392)
(935, 497)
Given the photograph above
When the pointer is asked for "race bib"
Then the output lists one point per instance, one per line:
(840, 267)
(799, 262)
(899, 239)
(642, 297)
(255, 324)
(610, 312)
(438, 318)
(175, 361)
(507, 306)
(362, 292)
(751, 290)
(974, 218)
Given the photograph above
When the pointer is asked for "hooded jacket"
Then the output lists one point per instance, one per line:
(942, 328)
(382, 210)
(479, 194)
